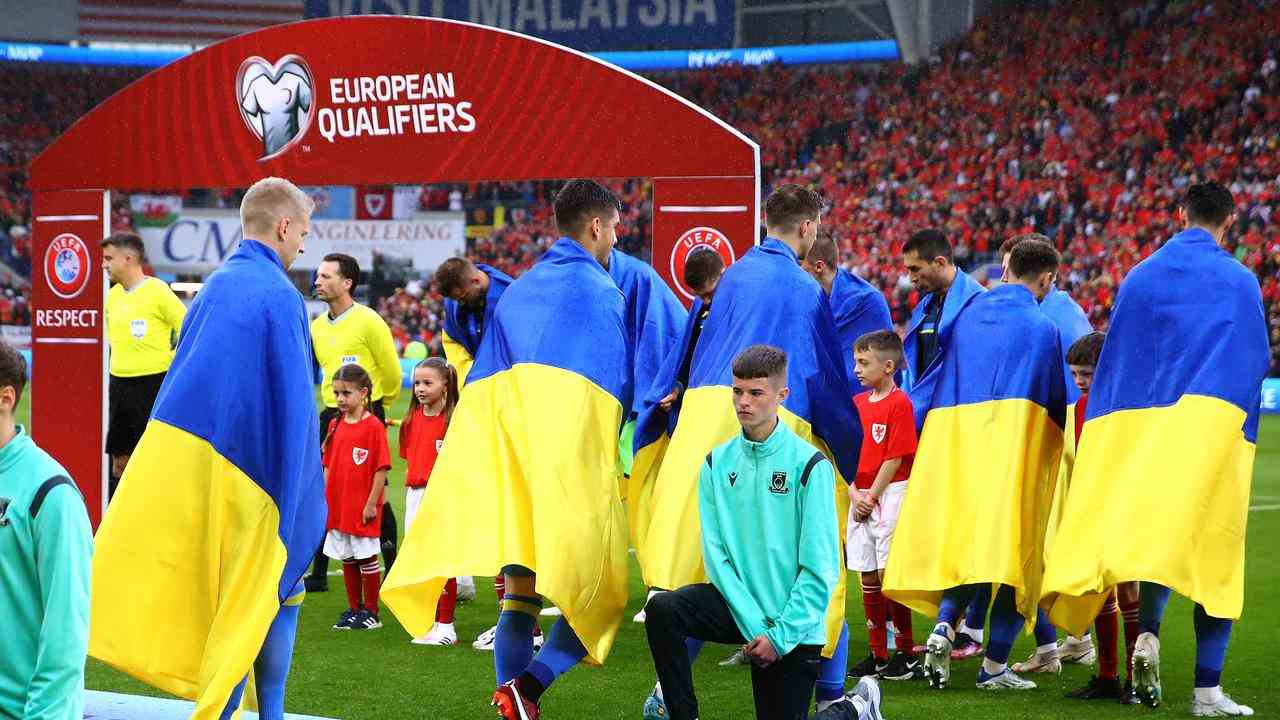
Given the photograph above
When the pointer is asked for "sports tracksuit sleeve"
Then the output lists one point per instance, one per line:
(720, 569)
(63, 554)
(806, 604)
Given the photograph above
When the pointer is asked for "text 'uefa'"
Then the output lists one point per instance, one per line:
(417, 104)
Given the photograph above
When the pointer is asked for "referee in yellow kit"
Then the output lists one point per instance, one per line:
(143, 318)
(351, 333)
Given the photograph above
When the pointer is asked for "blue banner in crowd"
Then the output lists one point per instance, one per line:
(1271, 396)
(333, 202)
(581, 24)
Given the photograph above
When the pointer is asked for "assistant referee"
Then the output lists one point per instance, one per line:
(351, 333)
(143, 318)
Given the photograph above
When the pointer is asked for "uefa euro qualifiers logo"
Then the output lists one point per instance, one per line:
(694, 240)
(276, 101)
(67, 266)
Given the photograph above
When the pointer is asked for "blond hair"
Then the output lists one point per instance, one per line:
(268, 201)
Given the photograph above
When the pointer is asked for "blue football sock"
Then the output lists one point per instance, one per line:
(693, 646)
(975, 617)
(1212, 635)
(1005, 624)
(513, 640)
(1152, 599)
(271, 670)
(561, 651)
(953, 603)
(1045, 631)
(831, 671)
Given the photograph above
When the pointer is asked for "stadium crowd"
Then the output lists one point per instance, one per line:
(1086, 136)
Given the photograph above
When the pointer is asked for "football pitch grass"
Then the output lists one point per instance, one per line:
(379, 675)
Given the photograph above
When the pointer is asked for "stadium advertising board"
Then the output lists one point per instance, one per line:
(581, 24)
(199, 240)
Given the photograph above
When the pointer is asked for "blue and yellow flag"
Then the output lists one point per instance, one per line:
(1072, 325)
(534, 443)
(763, 298)
(979, 489)
(962, 291)
(1161, 484)
(222, 505)
(858, 308)
(654, 321)
(463, 326)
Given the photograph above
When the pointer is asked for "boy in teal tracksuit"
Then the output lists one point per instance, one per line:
(45, 551)
(769, 544)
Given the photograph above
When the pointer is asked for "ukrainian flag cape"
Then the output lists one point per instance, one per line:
(534, 443)
(222, 505)
(463, 327)
(963, 290)
(763, 298)
(654, 318)
(858, 308)
(978, 495)
(1072, 325)
(1161, 485)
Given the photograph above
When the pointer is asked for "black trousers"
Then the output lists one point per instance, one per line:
(782, 691)
(388, 531)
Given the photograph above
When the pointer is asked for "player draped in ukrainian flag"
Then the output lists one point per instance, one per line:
(1167, 450)
(763, 298)
(997, 404)
(237, 473)
(535, 438)
(471, 292)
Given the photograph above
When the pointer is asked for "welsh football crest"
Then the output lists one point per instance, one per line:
(67, 266)
(877, 432)
(374, 204)
(276, 101)
(359, 455)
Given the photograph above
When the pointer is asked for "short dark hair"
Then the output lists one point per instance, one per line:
(348, 268)
(760, 361)
(126, 241)
(790, 205)
(1085, 351)
(13, 370)
(885, 342)
(824, 249)
(1208, 203)
(702, 265)
(580, 200)
(928, 244)
(1032, 257)
(452, 275)
(1007, 246)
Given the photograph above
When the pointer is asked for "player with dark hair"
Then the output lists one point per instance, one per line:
(794, 316)
(558, 343)
(352, 334)
(46, 546)
(1174, 411)
(857, 307)
(471, 293)
(702, 271)
(143, 319)
(997, 399)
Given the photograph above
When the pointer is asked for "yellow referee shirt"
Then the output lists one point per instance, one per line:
(142, 327)
(359, 335)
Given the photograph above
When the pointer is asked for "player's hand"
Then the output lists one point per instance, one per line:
(866, 504)
(761, 652)
(370, 512)
(669, 401)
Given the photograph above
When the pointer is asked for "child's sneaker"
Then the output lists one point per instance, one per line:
(1077, 651)
(484, 641)
(365, 620)
(344, 620)
(1046, 662)
(440, 634)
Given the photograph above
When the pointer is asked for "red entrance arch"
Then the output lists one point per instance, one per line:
(360, 100)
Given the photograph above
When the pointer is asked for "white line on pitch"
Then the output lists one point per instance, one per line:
(1260, 508)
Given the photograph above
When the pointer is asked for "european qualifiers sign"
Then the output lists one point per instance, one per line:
(588, 25)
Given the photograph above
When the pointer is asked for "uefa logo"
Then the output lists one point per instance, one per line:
(694, 240)
(276, 101)
(67, 266)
